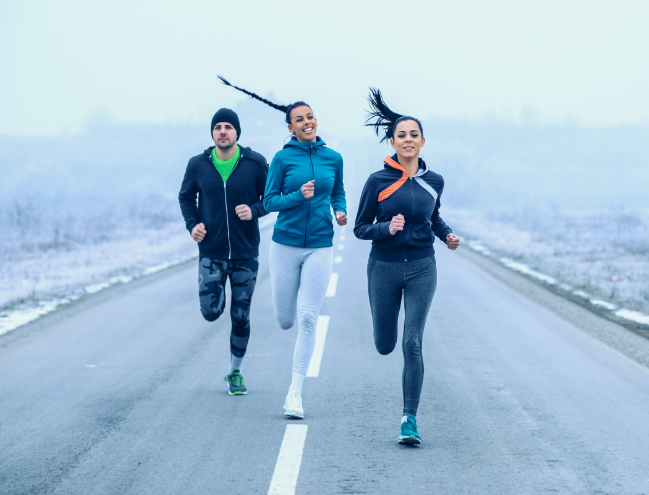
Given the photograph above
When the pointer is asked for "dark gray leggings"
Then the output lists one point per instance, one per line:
(417, 280)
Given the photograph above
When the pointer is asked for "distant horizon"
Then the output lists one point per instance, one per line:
(101, 119)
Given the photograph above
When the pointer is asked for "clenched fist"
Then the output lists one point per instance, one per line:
(397, 224)
(199, 232)
(452, 241)
(308, 189)
(244, 212)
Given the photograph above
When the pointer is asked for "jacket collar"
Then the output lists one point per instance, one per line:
(208, 152)
(317, 138)
(294, 143)
(422, 165)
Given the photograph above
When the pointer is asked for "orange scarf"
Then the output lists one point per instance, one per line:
(387, 192)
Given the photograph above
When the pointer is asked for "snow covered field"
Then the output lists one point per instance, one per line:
(48, 249)
(65, 253)
(603, 254)
(45, 273)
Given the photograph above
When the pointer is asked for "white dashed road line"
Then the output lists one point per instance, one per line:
(320, 336)
(338, 259)
(287, 468)
(333, 284)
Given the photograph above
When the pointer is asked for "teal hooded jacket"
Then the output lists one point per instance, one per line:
(305, 222)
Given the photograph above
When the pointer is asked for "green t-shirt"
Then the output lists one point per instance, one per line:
(225, 167)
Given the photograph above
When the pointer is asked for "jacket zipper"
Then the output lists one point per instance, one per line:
(308, 214)
(412, 214)
(227, 220)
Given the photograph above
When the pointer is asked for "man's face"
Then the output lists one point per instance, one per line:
(224, 135)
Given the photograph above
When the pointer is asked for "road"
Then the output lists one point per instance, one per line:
(123, 393)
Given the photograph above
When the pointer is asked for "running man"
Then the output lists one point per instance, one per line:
(229, 181)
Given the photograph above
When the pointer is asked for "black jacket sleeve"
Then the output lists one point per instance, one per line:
(187, 199)
(365, 228)
(438, 225)
(257, 208)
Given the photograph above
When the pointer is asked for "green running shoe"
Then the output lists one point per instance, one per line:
(409, 433)
(236, 386)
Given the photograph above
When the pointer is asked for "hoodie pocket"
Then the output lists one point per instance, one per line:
(320, 222)
(217, 234)
(293, 220)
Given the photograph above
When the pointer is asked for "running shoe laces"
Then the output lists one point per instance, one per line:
(294, 400)
(237, 378)
(235, 383)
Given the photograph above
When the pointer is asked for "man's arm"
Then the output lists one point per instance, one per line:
(257, 208)
(187, 199)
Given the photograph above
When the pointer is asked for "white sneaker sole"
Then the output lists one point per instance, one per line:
(409, 440)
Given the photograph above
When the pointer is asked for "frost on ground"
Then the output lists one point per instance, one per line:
(50, 250)
(604, 254)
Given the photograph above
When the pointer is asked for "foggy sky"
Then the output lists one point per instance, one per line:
(61, 62)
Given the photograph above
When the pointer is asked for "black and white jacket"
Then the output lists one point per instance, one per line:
(390, 192)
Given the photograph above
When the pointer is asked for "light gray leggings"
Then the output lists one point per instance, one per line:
(305, 271)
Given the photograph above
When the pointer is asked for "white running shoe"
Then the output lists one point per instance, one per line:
(293, 404)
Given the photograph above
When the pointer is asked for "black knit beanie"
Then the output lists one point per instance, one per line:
(229, 116)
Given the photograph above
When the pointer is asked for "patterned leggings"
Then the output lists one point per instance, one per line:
(212, 275)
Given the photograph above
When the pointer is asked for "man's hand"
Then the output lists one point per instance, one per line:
(397, 224)
(308, 189)
(341, 218)
(452, 241)
(244, 212)
(198, 232)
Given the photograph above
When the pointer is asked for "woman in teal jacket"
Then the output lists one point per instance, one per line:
(305, 222)
(305, 181)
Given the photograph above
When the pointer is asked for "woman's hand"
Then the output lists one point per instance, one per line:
(397, 224)
(452, 241)
(308, 189)
(341, 218)
(199, 232)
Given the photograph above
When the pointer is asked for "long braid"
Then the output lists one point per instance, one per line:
(281, 108)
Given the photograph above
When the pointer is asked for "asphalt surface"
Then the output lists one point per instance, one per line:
(123, 393)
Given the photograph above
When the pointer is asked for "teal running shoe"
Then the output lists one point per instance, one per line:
(236, 385)
(409, 433)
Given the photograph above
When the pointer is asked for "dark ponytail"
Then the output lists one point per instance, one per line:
(386, 120)
(282, 108)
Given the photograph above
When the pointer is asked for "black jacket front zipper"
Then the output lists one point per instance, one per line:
(225, 192)
(412, 213)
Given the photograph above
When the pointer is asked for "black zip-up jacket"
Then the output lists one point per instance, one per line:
(417, 199)
(228, 237)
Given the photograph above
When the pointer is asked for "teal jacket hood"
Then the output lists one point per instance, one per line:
(305, 222)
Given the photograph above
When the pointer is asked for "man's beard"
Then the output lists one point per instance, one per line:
(225, 148)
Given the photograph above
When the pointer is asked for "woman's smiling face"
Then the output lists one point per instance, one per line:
(407, 139)
(303, 124)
